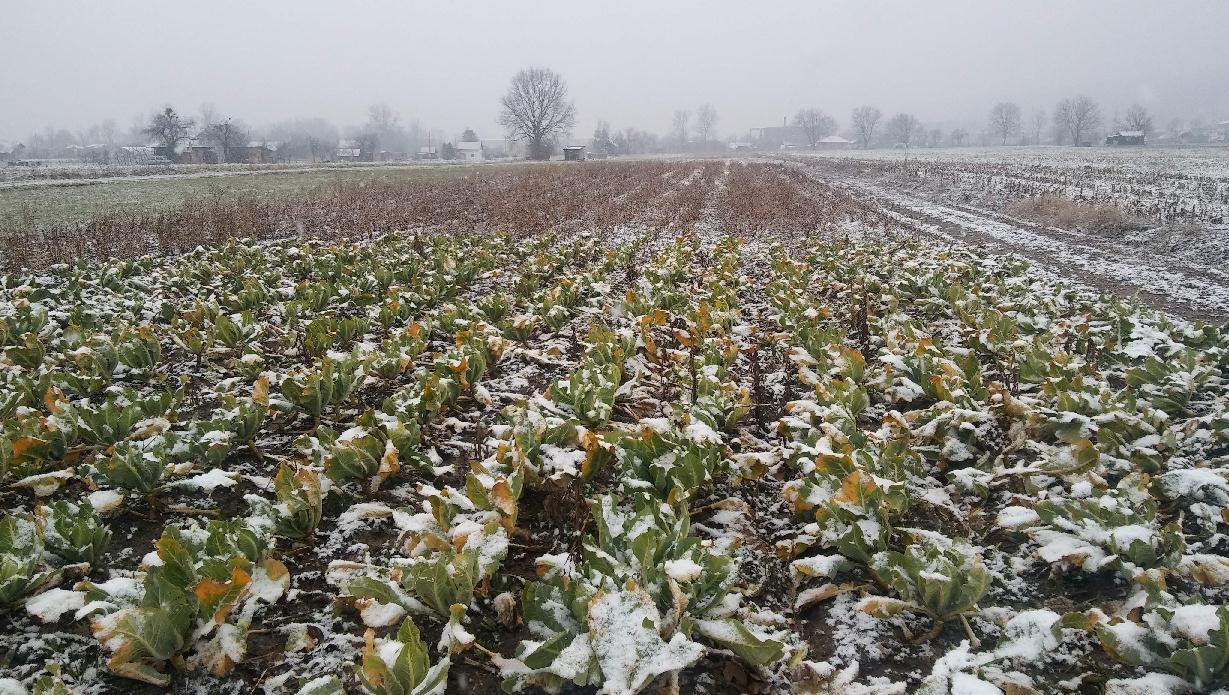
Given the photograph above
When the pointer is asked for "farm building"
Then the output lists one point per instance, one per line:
(148, 154)
(469, 151)
(349, 151)
(776, 137)
(196, 152)
(834, 142)
(1126, 137)
(90, 154)
(254, 153)
(574, 153)
(12, 154)
(1224, 136)
(426, 152)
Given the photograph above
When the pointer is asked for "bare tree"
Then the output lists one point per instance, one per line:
(169, 129)
(1005, 120)
(310, 139)
(226, 135)
(107, 131)
(1076, 117)
(678, 127)
(959, 136)
(536, 109)
(1037, 124)
(902, 127)
(382, 131)
(706, 122)
(815, 124)
(936, 137)
(1138, 118)
(382, 117)
(865, 119)
(632, 141)
(208, 115)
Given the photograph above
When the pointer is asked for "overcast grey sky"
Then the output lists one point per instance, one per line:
(70, 64)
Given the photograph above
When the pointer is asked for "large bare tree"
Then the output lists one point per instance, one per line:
(537, 110)
(706, 122)
(1005, 120)
(902, 127)
(1138, 118)
(1076, 117)
(169, 129)
(865, 119)
(1037, 124)
(678, 127)
(226, 135)
(815, 124)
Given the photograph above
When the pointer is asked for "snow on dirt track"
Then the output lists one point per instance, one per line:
(1176, 285)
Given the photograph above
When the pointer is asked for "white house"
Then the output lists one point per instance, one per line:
(469, 151)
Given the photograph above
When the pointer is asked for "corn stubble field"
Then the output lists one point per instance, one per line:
(664, 426)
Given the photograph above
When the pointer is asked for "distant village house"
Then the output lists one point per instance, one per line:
(1126, 137)
(778, 137)
(12, 154)
(834, 142)
(349, 151)
(469, 151)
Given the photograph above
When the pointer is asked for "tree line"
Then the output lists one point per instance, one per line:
(537, 111)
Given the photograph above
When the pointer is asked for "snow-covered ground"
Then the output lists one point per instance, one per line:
(1176, 267)
(1202, 160)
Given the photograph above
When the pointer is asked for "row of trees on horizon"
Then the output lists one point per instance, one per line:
(538, 112)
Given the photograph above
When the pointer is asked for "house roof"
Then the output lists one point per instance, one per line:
(1131, 133)
(573, 147)
(469, 145)
(836, 140)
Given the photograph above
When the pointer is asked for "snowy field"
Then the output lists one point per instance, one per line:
(1212, 161)
(664, 426)
(1149, 221)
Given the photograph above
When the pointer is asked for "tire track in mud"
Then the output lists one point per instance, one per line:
(1162, 283)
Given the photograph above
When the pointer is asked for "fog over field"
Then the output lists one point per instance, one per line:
(444, 64)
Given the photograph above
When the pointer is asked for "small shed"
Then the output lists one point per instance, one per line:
(469, 151)
(574, 153)
(1224, 126)
(1126, 137)
(348, 151)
